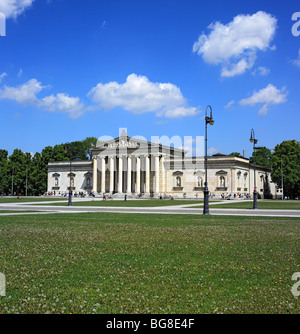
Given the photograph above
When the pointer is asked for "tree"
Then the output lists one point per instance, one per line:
(235, 154)
(3, 171)
(87, 143)
(286, 162)
(37, 176)
(262, 157)
(17, 167)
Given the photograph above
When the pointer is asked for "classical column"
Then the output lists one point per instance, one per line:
(138, 175)
(103, 175)
(147, 168)
(129, 190)
(111, 174)
(120, 185)
(95, 174)
(156, 174)
(163, 173)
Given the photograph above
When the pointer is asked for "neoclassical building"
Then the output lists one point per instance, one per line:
(137, 167)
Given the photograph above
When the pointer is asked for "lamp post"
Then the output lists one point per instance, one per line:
(255, 194)
(26, 182)
(12, 182)
(208, 120)
(282, 192)
(70, 188)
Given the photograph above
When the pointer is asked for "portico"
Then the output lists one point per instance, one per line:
(126, 174)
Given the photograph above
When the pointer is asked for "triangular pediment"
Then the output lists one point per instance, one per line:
(199, 173)
(221, 172)
(131, 144)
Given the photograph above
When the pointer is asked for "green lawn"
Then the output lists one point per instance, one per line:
(131, 203)
(16, 211)
(263, 204)
(125, 263)
(8, 200)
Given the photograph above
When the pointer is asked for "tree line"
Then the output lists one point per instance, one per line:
(27, 174)
(284, 162)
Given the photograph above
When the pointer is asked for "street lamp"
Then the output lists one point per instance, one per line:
(70, 188)
(255, 194)
(12, 182)
(208, 120)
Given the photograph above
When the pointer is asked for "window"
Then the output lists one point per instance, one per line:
(239, 181)
(262, 182)
(245, 180)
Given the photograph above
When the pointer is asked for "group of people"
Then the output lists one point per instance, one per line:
(235, 196)
(65, 194)
(247, 196)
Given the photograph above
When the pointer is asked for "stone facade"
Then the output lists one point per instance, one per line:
(139, 168)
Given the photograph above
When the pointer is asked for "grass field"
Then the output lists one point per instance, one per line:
(16, 211)
(261, 204)
(7, 200)
(130, 203)
(126, 263)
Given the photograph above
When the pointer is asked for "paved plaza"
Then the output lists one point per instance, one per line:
(193, 209)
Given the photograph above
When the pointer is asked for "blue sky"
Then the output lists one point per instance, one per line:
(75, 69)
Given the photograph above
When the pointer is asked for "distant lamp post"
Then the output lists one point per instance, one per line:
(282, 192)
(208, 120)
(26, 186)
(70, 188)
(255, 194)
(12, 182)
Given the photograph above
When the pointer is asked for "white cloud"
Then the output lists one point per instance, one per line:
(63, 103)
(139, 95)
(297, 60)
(213, 150)
(267, 97)
(13, 8)
(229, 104)
(24, 94)
(20, 73)
(261, 70)
(234, 46)
(27, 94)
(2, 76)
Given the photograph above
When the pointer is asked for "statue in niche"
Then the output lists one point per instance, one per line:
(88, 181)
(222, 181)
(200, 182)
